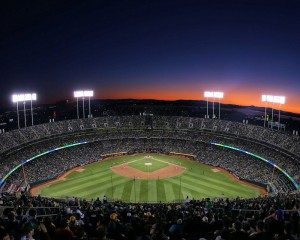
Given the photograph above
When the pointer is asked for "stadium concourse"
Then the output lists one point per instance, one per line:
(37, 147)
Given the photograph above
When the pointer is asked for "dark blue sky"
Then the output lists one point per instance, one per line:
(152, 49)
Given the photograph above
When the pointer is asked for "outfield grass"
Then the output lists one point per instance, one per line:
(198, 181)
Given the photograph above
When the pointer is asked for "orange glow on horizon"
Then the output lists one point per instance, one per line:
(242, 99)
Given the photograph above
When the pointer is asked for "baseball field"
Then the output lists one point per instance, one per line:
(147, 178)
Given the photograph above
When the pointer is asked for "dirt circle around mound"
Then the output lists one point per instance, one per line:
(125, 170)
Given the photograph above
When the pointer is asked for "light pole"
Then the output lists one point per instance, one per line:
(265, 114)
(266, 99)
(83, 107)
(23, 98)
(78, 94)
(32, 98)
(207, 116)
(18, 114)
(89, 94)
(272, 99)
(83, 94)
(213, 95)
(24, 114)
(280, 100)
(219, 95)
(213, 108)
(207, 95)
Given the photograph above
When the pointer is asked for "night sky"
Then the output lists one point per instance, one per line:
(149, 49)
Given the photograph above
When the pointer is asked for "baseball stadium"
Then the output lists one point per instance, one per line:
(149, 161)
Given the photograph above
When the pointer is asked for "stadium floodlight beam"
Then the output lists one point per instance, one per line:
(82, 94)
(23, 98)
(213, 95)
(272, 99)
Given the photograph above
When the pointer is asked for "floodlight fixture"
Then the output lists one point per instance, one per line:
(218, 95)
(267, 98)
(78, 94)
(88, 93)
(279, 99)
(24, 97)
(16, 98)
(33, 96)
(208, 94)
(273, 99)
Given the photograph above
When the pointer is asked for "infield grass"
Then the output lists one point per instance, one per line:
(148, 164)
(197, 181)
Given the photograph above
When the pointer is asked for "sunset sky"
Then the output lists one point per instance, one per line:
(150, 49)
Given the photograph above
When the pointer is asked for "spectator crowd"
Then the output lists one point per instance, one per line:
(26, 217)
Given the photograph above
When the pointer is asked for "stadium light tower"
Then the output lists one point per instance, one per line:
(272, 99)
(281, 101)
(207, 95)
(89, 94)
(266, 99)
(32, 98)
(219, 95)
(23, 98)
(213, 95)
(82, 94)
(78, 94)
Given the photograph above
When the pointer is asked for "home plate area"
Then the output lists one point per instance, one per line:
(171, 170)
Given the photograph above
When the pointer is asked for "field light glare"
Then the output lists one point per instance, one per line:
(213, 94)
(78, 94)
(24, 97)
(273, 99)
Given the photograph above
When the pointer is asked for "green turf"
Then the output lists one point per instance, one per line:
(155, 164)
(198, 181)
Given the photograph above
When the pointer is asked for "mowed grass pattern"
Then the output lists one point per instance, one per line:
(198, 181)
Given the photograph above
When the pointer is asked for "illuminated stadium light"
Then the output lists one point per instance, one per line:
(272, 99)
(88, 93)
(83, 94)
(208, 94)
(16, 98)
(78, 94)
(219, 95)
(279, 99)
